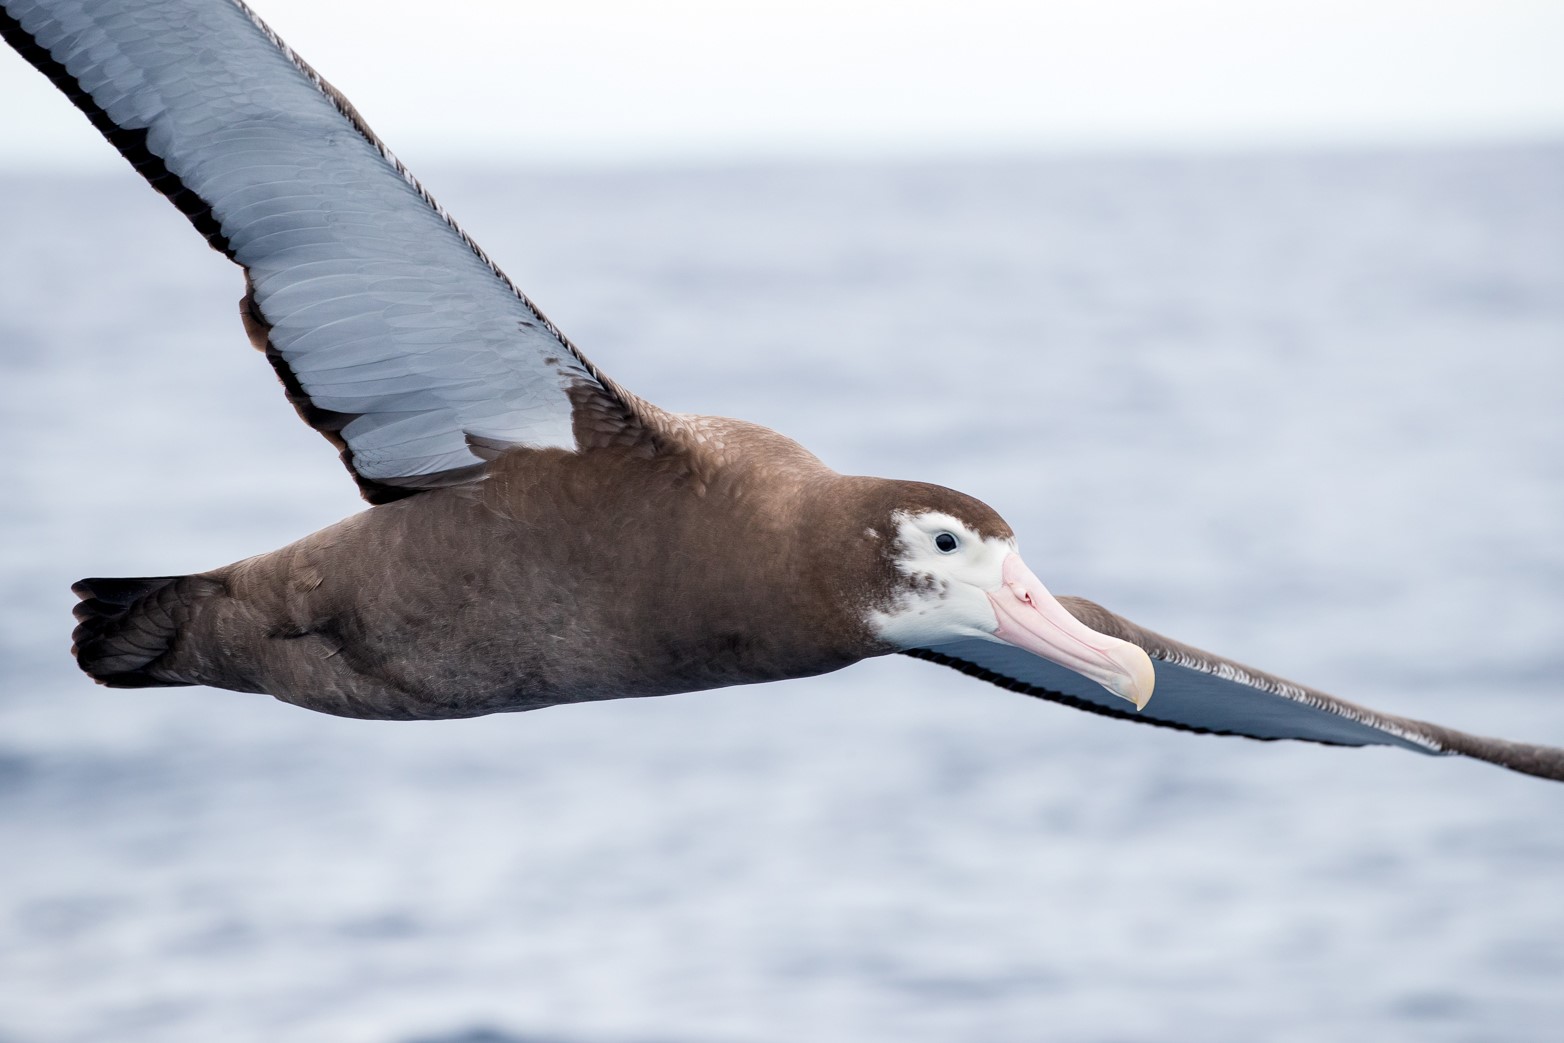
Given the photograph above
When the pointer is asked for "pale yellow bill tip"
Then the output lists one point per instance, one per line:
(1140, 677)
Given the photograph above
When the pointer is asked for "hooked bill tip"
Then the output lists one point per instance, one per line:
(1139, 677)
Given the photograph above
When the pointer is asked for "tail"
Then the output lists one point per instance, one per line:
(124, 626)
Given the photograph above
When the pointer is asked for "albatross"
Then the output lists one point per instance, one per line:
(537, 533)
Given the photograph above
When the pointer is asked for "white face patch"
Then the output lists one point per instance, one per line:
(948, 571)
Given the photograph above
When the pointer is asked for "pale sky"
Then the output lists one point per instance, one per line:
(623, 81)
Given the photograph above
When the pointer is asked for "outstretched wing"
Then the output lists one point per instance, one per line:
(1200, 692)
(394, 335)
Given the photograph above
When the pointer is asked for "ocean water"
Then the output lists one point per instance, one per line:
(1303, 410)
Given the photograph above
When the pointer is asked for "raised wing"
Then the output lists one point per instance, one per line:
(394, 335)
(1200, 692)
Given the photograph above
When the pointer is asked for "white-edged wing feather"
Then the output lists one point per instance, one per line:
(1200, 692)
(395, 335)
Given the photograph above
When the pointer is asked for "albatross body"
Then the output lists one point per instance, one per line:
(561, 577)
(538, 534)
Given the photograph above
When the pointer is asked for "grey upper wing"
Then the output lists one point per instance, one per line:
(393, 333)
(1200, 692)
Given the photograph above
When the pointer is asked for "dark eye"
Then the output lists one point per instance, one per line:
(946, 542)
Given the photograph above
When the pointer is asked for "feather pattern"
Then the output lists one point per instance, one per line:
(395, 335)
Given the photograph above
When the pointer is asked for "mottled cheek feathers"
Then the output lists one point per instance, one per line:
(945, 570)
(954, 584)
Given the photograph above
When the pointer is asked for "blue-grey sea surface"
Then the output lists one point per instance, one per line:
(1304, 410)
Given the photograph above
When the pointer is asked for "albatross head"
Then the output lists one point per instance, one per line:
(956, 575)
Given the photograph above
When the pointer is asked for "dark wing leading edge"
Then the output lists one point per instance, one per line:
(392, 332)
(1200, 692)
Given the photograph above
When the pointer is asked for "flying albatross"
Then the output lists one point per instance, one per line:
(539, 535)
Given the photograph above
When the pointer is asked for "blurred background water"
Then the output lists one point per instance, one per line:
(1302, 409)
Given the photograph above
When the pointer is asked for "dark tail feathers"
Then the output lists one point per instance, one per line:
(124, 626)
